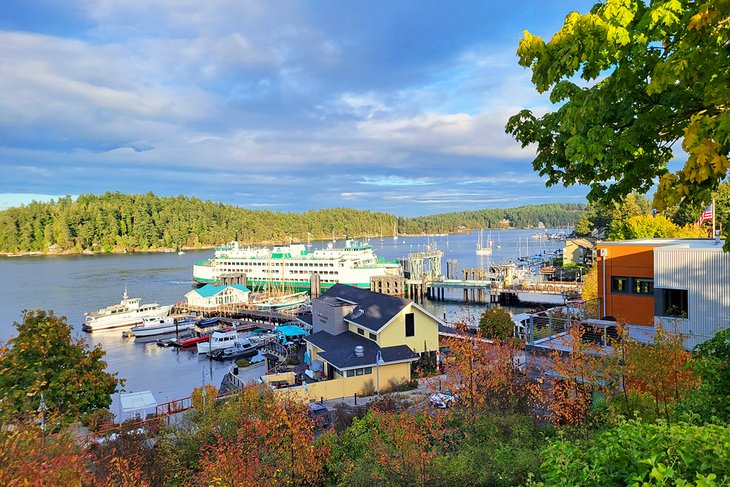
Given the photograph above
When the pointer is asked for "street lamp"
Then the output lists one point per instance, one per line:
(378, 360)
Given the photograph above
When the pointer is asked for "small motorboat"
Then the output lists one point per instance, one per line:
(219, 339)
(160, 326)
(243, 347)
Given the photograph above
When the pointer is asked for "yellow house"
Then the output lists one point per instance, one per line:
(359, 338)
(578, 251)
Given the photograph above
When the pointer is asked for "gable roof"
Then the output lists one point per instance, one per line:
(372, 311)
(339, 350)
(210, 290)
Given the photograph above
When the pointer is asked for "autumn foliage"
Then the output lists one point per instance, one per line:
(28, 457)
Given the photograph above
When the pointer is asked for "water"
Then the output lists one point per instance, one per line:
(72, 285)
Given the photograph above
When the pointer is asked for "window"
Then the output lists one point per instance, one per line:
(373, 337)
(410, 325)
(619, 284)
(360, 371)
(361, 331)
(643, 286)
(671, 302)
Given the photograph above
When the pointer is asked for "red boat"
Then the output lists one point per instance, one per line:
(191, 341)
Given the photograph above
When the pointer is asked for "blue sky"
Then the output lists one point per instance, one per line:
(396, 106)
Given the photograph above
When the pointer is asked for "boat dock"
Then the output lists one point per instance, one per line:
(505, 284)
(238, 311)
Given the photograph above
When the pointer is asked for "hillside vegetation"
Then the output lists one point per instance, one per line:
(115, 222)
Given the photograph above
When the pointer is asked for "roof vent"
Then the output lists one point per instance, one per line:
(358, 312)
(359, 351)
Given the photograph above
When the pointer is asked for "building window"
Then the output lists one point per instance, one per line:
(361, 331)
(620, 284)
(373, 337)
(671, 303)
(410, 325)
(643, 286)
(360, 371)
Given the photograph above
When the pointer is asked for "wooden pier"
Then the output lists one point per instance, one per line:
(240, 311)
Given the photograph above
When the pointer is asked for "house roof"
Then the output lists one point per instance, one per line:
(663, 242)
(339, 350)
(582, 242)
(210, 290)
(373, 310)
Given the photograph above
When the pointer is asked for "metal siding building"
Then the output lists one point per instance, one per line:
(701, 269)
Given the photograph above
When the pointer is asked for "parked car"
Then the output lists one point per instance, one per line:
(444, 399)
(320, 414)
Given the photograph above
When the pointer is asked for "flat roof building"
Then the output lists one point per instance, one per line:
(680, 284)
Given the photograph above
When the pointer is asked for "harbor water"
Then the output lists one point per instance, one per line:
(73, 285)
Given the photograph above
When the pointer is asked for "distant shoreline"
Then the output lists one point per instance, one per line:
(163, 250)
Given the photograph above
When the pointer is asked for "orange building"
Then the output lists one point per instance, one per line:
(626, 280)
(681, 284)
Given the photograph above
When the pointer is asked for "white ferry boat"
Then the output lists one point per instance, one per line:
(128, 312)
(291, 266)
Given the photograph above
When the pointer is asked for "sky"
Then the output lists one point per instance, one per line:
(394, 106)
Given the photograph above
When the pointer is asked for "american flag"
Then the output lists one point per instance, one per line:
(706, 215)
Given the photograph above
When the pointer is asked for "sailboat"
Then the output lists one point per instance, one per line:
(483, 249)
(395, 231)
(278, 297)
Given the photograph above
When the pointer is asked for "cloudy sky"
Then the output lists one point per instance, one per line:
(285, 105)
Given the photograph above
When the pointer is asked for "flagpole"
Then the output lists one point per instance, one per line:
(714, 233)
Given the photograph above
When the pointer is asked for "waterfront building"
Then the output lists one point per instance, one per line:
(578, 251)
(681, 284)
(211, 296)
(363, 339)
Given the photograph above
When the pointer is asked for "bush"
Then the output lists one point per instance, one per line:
(292, 360)
(635, 452)
(398, 385)
(368, 388)
(496, 323)
(211, 393)
(242, 363)
(98, 418)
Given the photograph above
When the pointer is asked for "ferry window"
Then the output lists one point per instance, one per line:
(410, 325)
(643, 286)
(373, 336)
(619, 284)
(361, 331)
(673, 302)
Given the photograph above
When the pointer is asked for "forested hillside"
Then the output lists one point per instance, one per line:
(552, 215)
(117, 222)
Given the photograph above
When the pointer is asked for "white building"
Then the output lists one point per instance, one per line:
(692, 288)
(210, 296)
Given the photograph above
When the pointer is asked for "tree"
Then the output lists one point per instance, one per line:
(656, 73)
(44, 359)
(496, 323)
(29, 456)
(662, 369)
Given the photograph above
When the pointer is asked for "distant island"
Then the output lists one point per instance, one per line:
(117, 223)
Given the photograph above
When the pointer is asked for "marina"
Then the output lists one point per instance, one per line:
(73, 285)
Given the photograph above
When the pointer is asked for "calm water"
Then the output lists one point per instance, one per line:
(71, 285)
